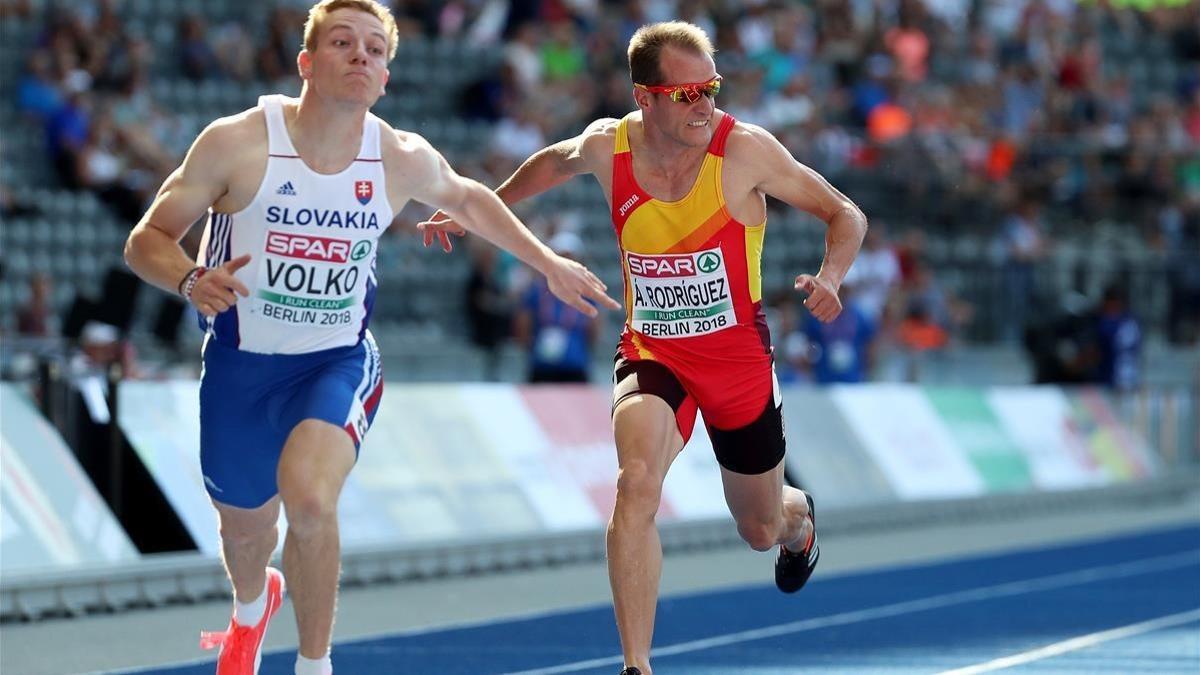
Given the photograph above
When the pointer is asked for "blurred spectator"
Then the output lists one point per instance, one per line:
(101, 345)
(102, 168)
(488, 310)
(1062, 346)
(888, 122)
(234, 50)
(1119, 339)
(791, 346)
(197, 60)
(36, 317)
(843, 350)
(37, 92)
(522, 55)
(520, 134)
(788, 54)
(871, 90)
(875, 274)
(938, 306)
(1021, 102)
(563, 57)
(149, 134)
(790, 106)
(67, 133)
(557, 337)
(918, 331)
(1022, 244)
(909, 47)
(112, 54)
(839, 43)
(277, 56)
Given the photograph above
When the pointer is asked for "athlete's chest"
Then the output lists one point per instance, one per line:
(668, 184)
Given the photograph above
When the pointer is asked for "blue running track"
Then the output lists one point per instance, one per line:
(1121, 605)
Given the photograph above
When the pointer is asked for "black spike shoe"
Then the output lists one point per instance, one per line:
(792, 570)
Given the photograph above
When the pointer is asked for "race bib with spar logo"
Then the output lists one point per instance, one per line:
(680, 295)
(309, 280)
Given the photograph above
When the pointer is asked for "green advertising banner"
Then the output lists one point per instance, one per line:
(979, 433)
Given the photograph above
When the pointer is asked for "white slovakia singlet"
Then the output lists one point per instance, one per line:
(312, 240)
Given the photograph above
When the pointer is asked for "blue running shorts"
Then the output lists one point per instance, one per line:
(250, 402)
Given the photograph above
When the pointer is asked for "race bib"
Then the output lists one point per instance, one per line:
(678, 296)
(308, 280)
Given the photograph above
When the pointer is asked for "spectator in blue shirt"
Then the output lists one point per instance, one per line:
(1119, 338)
(841, 351)
(558, 337)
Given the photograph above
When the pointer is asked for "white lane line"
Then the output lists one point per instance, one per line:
(1081, 642)
(1053, 581)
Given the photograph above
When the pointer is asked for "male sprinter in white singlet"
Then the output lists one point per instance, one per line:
(297, 193)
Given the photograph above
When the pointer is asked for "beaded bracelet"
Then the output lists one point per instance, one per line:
(188, 282)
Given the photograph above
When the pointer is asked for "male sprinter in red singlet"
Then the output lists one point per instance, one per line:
(687, 186)
(298, 192)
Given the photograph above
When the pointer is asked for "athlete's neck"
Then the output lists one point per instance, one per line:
(326, 137)
(661, 153)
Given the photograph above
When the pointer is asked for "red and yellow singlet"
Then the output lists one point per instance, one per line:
(693, 287)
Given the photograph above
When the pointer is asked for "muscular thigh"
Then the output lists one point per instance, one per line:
(652, 414)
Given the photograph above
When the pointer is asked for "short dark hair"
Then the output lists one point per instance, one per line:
(646, 45)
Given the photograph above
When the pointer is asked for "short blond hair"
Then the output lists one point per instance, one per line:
(323, 9)
(646, 45)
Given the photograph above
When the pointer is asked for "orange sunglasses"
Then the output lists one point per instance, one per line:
(689, 93)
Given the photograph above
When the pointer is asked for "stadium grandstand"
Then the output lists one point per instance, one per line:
(1003, 428)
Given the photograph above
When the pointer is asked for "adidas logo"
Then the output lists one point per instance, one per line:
(286, 189)
(209, 482)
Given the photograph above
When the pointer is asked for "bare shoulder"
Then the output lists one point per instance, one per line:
(405, 151)
(601, 130)
(236, 134)
(594, 146)
(750, 141)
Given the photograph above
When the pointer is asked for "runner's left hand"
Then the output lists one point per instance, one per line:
(572, 283)
(822, 299)
(442, 226)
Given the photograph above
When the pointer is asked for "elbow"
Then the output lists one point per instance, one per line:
(133, 249)
(849, 214)
(129, 253)
(464, 204)
(857, 215)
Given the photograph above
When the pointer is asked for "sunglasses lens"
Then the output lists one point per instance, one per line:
(688, 94)
(693, 93)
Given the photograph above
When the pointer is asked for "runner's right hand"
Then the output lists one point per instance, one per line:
(572, 283)
(443, 226)
(217, 289)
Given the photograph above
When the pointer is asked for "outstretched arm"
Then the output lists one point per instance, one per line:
(153, 251)
(796, 184)
(479, 210)
(549, 167)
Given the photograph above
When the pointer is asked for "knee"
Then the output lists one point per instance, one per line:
(244, 530)
(761, 536)
(242, 535)
(639, 490)
(309, 511)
